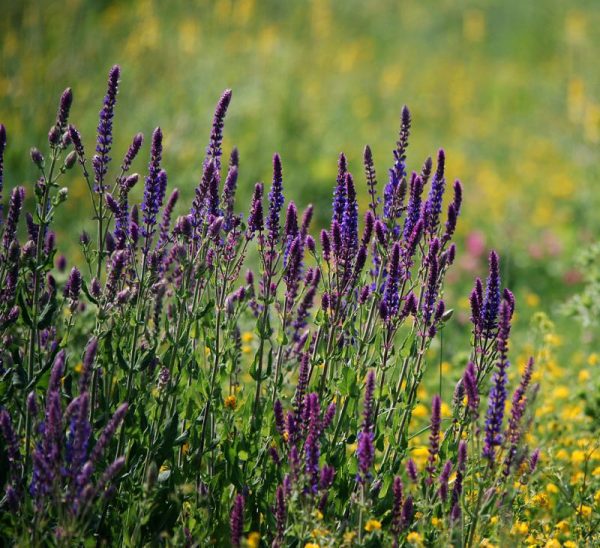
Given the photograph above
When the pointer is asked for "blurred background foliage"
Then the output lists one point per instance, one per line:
(508, 88)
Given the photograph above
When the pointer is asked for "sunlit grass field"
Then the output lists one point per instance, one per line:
(509, 89)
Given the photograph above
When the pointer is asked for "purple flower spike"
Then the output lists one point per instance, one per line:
(414, 205)
(470, 384)
(411, 470)
(213, 151)
(491, 302)
(392, 285)
(15, 205)
(498, 393)
(154, 189)
(280, 512)
(276, 201)
(87, 364)
(434, 437)
(104, 139)
(433, 205)
(371, 177)
(365, 451)
(236, 521)
(339, 193)
(255, 219)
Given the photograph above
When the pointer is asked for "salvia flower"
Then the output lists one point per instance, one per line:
(236, 521)
(434, 437)
(255, 219)
(491, 302)
(276, 201)
(498, 392)
(104, 138)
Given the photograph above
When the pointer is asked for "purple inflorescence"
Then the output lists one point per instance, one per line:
(104, 139)
(498, 392)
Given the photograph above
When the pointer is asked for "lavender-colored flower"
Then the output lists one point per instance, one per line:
(433, 205)
(108, 432)
(498, 393)
(87, 364)
(411, 470)
(74, 284)
(165, 224)
(229, 188)
(391, 296)
(365, 451)
(371, 177)
(32, 405)
(11, 441)
(469, 382)
(431, 289)
(279, 420)
(276, 201)
(533, 460)
(213, 151)
(302, 385)
(491, 302)
(236, 521)
(434, 437)
(154, 188)
(398, 490)
(104, 138)
(339, 193)
(280, 512)
(414, 205)
(17, 198)
(393, 194)
(293, 269)
(444, 477)
(325, 244)
(519, 402)
(255, 219)
(460, 472)
(408, 511)
(131, 153)
(349, 223)
(64, 108)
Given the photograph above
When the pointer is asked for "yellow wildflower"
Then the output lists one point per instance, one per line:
(78, 367)
(552, 543)
(318, 514)
(349, 537)
(585, 511)
(312, 545)
(253, 540)
(597, 497)
(231, 402)
(372, 525)
(436, 522)
(520, 528)
(420, 411)
(563, 527)
(247, 336)
(414, 538)
(551, 488)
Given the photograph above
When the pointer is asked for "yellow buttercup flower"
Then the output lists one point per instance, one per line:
(372, 525)
(585, 511)
(78, 367)
(520, 528)
(247, 336)
(312, 545)
(414, 538)
(253, 540)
